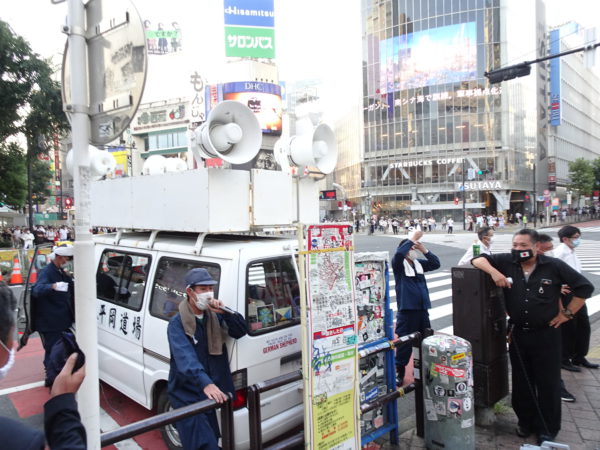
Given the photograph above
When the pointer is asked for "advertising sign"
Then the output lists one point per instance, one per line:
(248, 42)
(331, 339)
(249, 28)
(555, 112)
(264, 99)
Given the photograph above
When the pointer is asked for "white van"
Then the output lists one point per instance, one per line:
(139, 285)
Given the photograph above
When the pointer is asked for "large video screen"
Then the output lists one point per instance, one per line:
(425, 58)
(264, 99)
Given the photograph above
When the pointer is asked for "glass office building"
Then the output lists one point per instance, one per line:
(434, 127)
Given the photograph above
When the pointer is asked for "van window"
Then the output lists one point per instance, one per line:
(273, 295)
(169, 284)
(121, 278)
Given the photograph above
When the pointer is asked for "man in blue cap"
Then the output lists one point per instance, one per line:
(199, 362)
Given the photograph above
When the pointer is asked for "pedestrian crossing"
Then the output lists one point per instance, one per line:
(440, 294)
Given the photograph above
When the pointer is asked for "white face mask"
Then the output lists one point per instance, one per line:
(203, 299)
(549, 253)
(11, 361)
(413, 254)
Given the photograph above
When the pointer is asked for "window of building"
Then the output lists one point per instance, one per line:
(121, 278)
(169, 284)
(166, 140)
(273, 295)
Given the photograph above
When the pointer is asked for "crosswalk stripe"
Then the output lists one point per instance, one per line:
(439, 283)
(593, 304)
(107, 423)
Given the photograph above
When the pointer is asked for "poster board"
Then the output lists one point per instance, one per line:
(329, 338)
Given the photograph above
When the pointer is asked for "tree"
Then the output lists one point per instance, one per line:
(581, 173)
(596, 169)
(30, 101)
(13, 182)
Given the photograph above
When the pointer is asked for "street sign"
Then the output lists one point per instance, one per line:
(328, 195)
(117, 66)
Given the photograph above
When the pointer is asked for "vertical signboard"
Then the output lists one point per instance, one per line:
(249, 28)
(555, 112)
(330, 339)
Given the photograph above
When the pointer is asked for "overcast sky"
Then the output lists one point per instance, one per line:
(314, 38)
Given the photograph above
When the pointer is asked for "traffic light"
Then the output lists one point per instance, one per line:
(508, 73)
(456, 200)
(482, 171)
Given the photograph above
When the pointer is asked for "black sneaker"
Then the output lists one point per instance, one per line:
(566, 396)
(566, 365)
(585, 363)
(522, 432)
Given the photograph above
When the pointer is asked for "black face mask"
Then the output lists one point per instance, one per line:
(521, 255)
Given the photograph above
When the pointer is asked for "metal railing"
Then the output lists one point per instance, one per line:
(167, 418)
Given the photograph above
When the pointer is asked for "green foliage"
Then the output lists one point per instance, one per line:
(581, 173)
(13, 182)
(596, 169)
(40, 178)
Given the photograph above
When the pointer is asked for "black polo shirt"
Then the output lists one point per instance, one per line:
(533, 303)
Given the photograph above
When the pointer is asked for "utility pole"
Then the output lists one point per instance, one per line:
(464, 197)
(534, 197)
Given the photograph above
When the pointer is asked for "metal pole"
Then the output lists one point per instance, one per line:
(534, 199)
(464, 194)
(85, 285)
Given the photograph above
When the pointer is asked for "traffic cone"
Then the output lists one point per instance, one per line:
(33, 276)
(1, 279)
(104, 266)
(16, 277)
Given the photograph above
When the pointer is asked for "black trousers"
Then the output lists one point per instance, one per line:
(535, 359)
(576, 336)
(409, 321)
(49, 338)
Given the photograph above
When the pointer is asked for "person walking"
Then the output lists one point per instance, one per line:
(532, 284)
(450, 224)
(52, 307)
(199, 365)
(576, 334)
(412, 295)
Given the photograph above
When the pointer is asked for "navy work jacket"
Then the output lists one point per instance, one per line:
(52, 310)
(193, 368)
(412, 292)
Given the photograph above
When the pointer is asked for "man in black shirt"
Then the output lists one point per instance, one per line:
(532, 284)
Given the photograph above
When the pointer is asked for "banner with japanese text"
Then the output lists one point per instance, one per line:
(331, 342)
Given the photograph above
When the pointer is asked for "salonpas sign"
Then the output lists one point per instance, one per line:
(490, 185)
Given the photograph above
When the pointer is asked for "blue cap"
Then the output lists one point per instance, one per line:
(196, 277)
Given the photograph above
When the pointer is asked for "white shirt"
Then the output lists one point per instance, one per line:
(567, 255)
(62, 234)
(468, 256)
(450, 222)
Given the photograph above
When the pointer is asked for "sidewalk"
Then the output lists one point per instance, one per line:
(580, 420)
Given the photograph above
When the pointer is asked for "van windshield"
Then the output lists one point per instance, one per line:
(273, 295)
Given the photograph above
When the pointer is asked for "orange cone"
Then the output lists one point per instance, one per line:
(1, 276)
(16, 277)
(33, 276)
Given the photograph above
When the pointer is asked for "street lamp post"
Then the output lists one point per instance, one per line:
(534, 198)
(464, 199)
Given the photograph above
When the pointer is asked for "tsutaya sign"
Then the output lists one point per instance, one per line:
(426, 162)
(480, 185)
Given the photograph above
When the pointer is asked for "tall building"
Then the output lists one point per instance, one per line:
(434, 127)
(574, 111)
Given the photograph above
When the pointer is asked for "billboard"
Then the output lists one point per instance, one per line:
(249, 28)
(440, 55)
(555, 111)
(160, 40)
(264, 99)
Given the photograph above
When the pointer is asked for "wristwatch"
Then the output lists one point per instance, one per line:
(567, 313)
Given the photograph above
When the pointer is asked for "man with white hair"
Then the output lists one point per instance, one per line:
(52, 309)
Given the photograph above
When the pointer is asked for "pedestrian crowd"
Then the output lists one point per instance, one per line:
(24, 237)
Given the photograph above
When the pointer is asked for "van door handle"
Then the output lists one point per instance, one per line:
(265, 403)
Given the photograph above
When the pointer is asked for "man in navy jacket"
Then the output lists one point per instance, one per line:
(52, 307)
(412, 295)
(199, 363)
(62, 424)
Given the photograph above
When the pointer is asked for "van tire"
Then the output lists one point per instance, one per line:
(169, 432)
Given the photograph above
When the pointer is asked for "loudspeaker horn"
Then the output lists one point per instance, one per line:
(231, 132)
(102, 162)
(317, 149)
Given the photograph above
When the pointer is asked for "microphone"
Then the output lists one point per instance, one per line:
(228, 310)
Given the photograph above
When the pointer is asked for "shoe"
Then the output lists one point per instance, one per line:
(545, 437)
(522, 432)
(566, 396)
(585, 363)
(566, 365)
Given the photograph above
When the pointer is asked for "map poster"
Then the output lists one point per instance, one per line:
(331, 339)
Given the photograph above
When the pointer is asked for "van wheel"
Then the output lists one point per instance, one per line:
(169, 433)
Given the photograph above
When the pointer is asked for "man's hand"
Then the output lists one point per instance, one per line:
(501, 280)
(214, 304)
(416, 236)
(67, 382)
(419, 246)
(214, 393)
(565, 289)
(558, 320)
